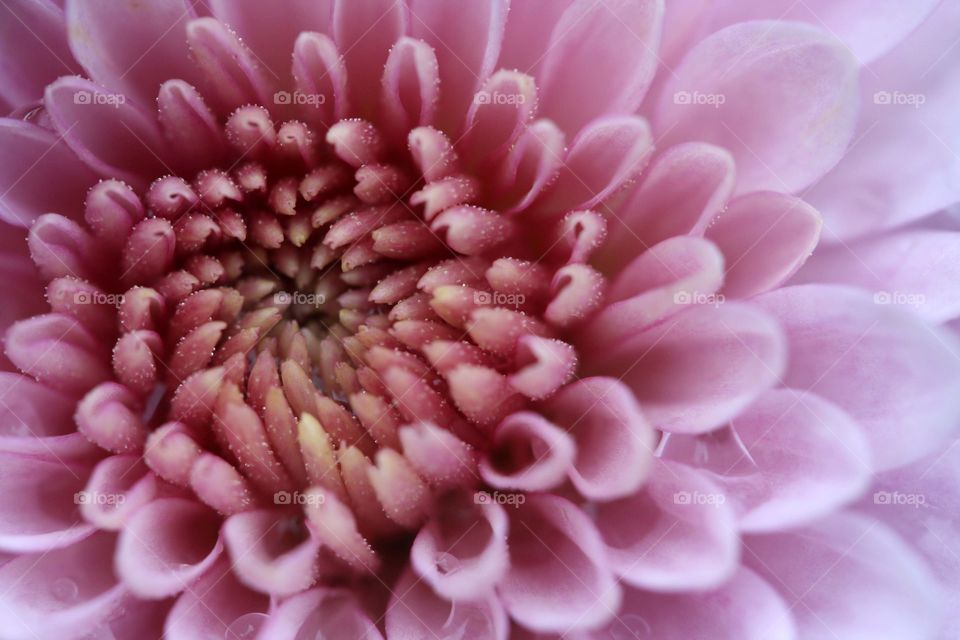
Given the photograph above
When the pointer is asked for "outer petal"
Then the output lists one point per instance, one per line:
(132, 47)
(896, 376)
(677, 533)
(699, 368)
(849, 577)
(319, 613)
(600, 60)
(416, 612)
(784, 102)
(554, 548)
(38, 421)
(29, 155)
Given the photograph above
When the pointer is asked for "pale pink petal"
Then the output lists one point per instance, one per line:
(531, 165)
(554, 548)
(676, 533)
(132, 48)
(38, 421)
(614, 441)
(765, 237)
(416, 612)
(28, 156)
(849, 577)
(783, 103)
(896, 376)
(694, 371)
(320, 613)
(600, 60)
(410, 86)
(529, 453)
(166, 546)
(118, 486)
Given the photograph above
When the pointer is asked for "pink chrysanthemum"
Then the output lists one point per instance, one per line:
(479, 319)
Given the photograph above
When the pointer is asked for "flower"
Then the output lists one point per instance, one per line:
(480, 319)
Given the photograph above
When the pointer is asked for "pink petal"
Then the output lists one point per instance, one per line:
(267, 553)
(166, 546)
(64, 593)
(320, 613)
(600, 60)
(111, 135)
(462, 552)
(849, 577)
(497, 116)
(892, 373)
(118, 486)
(765, 237)
(416, 612)
(319, 70)
(529, 453)
(784, 106)
(28, 194)
(555, 549)
(33, 42)
(410, 85)
(602, 158)
(39, 508)
(912, 268)
(467, 37)
(745, 608)
(531, 165)
(614, 441)
(677, 533)
(131, 48)
(216, 606)
(699, 368)
(38, 421)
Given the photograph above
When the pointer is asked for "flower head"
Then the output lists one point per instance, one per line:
(372, 319)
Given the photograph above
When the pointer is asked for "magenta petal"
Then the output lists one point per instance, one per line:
(746, 608)
(28, 194)
(66, 593)
(699, 368)
(764, 237)
(462, 551)
(896, 376)
(33, 46)
(785, 105)
(600, 60)
(166, 546)
(320, 613)
(266, 557)
(467, 38)
(410, 86)
(216, 606)
(849, 577)
(131, 48)
(39, 510)
(677, 533)
(111, 135)
(554, 548)
(416, 612)
(614, 441)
